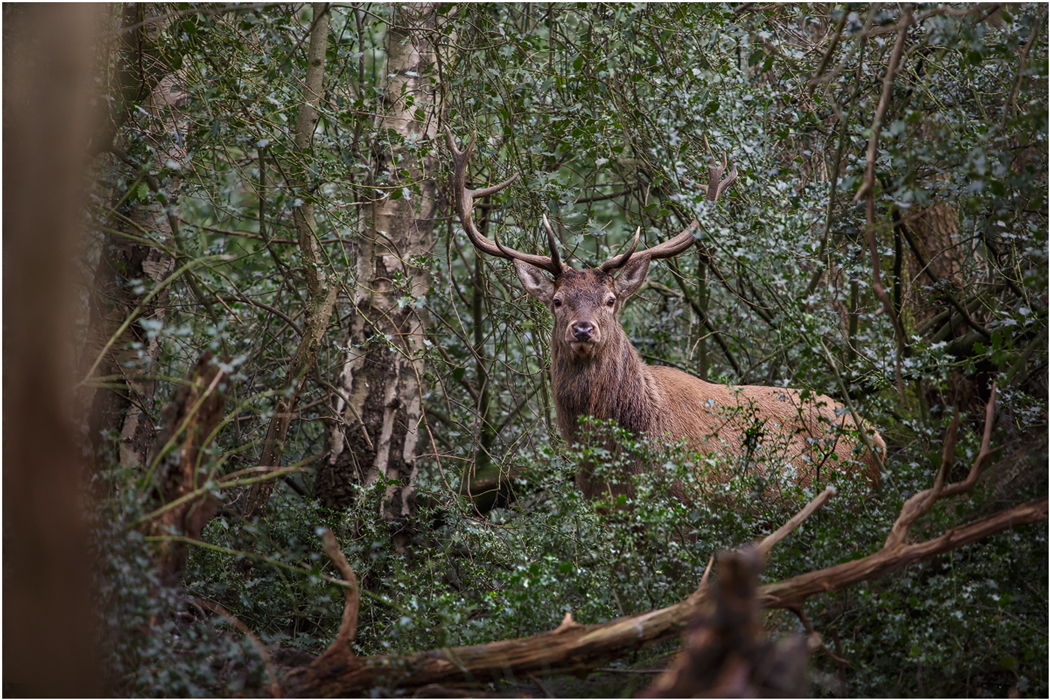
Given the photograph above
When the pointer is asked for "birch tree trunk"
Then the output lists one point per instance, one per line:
(379, 432)
(322, 288)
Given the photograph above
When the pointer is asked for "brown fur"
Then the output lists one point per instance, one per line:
(604, 377)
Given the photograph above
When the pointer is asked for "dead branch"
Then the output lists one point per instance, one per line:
(921, 503)
(348, 627)
(569, 648)
(791, 592)
(573, 647)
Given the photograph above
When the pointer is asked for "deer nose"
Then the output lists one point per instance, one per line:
(583, 330)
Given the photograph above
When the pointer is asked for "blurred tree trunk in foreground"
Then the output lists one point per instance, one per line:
(48, 623)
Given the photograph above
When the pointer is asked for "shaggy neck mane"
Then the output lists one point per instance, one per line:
(613, 384)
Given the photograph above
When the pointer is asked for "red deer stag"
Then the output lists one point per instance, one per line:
(595, 371)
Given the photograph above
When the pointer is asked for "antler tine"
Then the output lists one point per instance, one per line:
(618, 262)
(716, 185)
(552, 243)
(714, 189)
(452, 143)
(511, 254)
(465, 205)
(671, 248)
(683, 240)
(507, 253)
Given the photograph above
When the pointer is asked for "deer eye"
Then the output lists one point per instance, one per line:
(557, 303)
(610, 302)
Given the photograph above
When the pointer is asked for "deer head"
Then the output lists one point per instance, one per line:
(585, 303)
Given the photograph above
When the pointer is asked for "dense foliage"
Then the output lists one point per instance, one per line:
(606, 112)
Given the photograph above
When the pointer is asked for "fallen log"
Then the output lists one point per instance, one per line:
(574, 648)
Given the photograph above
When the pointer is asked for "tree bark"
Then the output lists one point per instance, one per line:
(322, 288)
(120, 423)
(379, 431)
(189, 426)
(48, 621)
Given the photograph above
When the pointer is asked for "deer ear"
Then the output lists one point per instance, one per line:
(632, 276)
(536, 283)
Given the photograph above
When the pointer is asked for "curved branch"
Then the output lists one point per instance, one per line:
(575, 648)
(348, 627)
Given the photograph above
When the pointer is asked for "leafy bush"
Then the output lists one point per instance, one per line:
(156, 642)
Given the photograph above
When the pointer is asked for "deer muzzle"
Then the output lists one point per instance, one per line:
(583, 331)
(583, 337)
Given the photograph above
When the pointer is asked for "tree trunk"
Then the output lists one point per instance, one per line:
(381, 415)
(120, 423)
(323, 290)
(50, 648)
(189, 425)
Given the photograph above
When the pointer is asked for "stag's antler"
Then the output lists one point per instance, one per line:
(619, 261)
(552, 264)
(668, 249)
(465, 205)
(718, 185)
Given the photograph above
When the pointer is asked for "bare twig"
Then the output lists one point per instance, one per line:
(767, 544)
(816, 639)
(921, 503)
(812, 82)
(967, 484)
(539, 683)
(868, 188)
(1011, 103)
